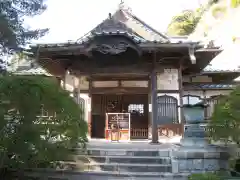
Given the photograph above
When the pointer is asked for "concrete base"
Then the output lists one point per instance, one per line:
(194, 142)
(196, 155)
(199, 160)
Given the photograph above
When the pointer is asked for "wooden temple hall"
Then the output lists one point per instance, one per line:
(126, 75)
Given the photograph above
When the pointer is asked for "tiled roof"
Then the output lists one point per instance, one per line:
(26, 68)
(123, 21)
(213, 86)
(216, 86)
(150, 33)
(220, 70)
(33, 71)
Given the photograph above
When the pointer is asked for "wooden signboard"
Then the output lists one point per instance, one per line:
(118, 126)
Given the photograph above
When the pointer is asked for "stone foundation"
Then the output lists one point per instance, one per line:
(200, 160)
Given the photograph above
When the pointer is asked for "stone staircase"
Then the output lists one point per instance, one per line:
(129, 161)
(136, 160)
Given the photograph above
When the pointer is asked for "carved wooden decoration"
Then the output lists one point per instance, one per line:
(168, 80)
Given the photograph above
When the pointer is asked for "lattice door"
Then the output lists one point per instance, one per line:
(167, 110)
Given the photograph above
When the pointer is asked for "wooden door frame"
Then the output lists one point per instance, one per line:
(122, 94)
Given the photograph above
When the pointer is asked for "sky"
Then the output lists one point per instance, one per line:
(71, 19)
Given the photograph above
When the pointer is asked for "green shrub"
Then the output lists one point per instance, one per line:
(205, 176)
(29, 139)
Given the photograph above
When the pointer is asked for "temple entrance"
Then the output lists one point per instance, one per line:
(135, 104)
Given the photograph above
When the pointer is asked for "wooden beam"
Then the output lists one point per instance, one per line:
(167, 91)
(120, 90)
(119, 78)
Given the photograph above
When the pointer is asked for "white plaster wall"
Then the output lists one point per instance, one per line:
(87, 100)
(72, 81)
(168, 80)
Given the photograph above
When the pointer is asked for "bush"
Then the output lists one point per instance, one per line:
(28, 139)
(206, 176)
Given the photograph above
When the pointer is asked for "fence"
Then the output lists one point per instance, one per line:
(168, 130)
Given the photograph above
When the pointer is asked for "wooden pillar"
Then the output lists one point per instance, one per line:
(180, 82)
(149, 108)
(65, 80)
(154, 102)
(76, 88)
(205, 105)
(89, 108)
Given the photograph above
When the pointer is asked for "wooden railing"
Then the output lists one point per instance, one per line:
(141, 133)
(169, 131)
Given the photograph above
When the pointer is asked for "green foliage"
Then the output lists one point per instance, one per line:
(225, 121)
(185, 23)
(205, 176)
(235, 3)
(219, 10)
(29, 140)
(212, 2)
(12, 29)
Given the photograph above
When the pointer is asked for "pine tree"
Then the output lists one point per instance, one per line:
(13, 34)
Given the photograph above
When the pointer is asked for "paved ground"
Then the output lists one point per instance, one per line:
(143, 144)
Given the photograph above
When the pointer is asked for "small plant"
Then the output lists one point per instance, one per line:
(206, 176)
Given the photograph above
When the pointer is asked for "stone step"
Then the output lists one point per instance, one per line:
(126, 159)
(124, 152)
(109, 175)
(106, 175)
(128, 167)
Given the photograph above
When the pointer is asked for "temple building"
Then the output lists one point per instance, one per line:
(126, 73)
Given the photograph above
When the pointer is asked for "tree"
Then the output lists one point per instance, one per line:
(225, 120)
(235, 3)
(16, 60)
(13, 33)
(225, 123)
(185, 23)
(30, 138)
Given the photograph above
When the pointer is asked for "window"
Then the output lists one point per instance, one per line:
(136, 109)
(193, 108)
(191, 100)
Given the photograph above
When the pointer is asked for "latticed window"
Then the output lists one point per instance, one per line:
(136, 108)
(167, 109)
